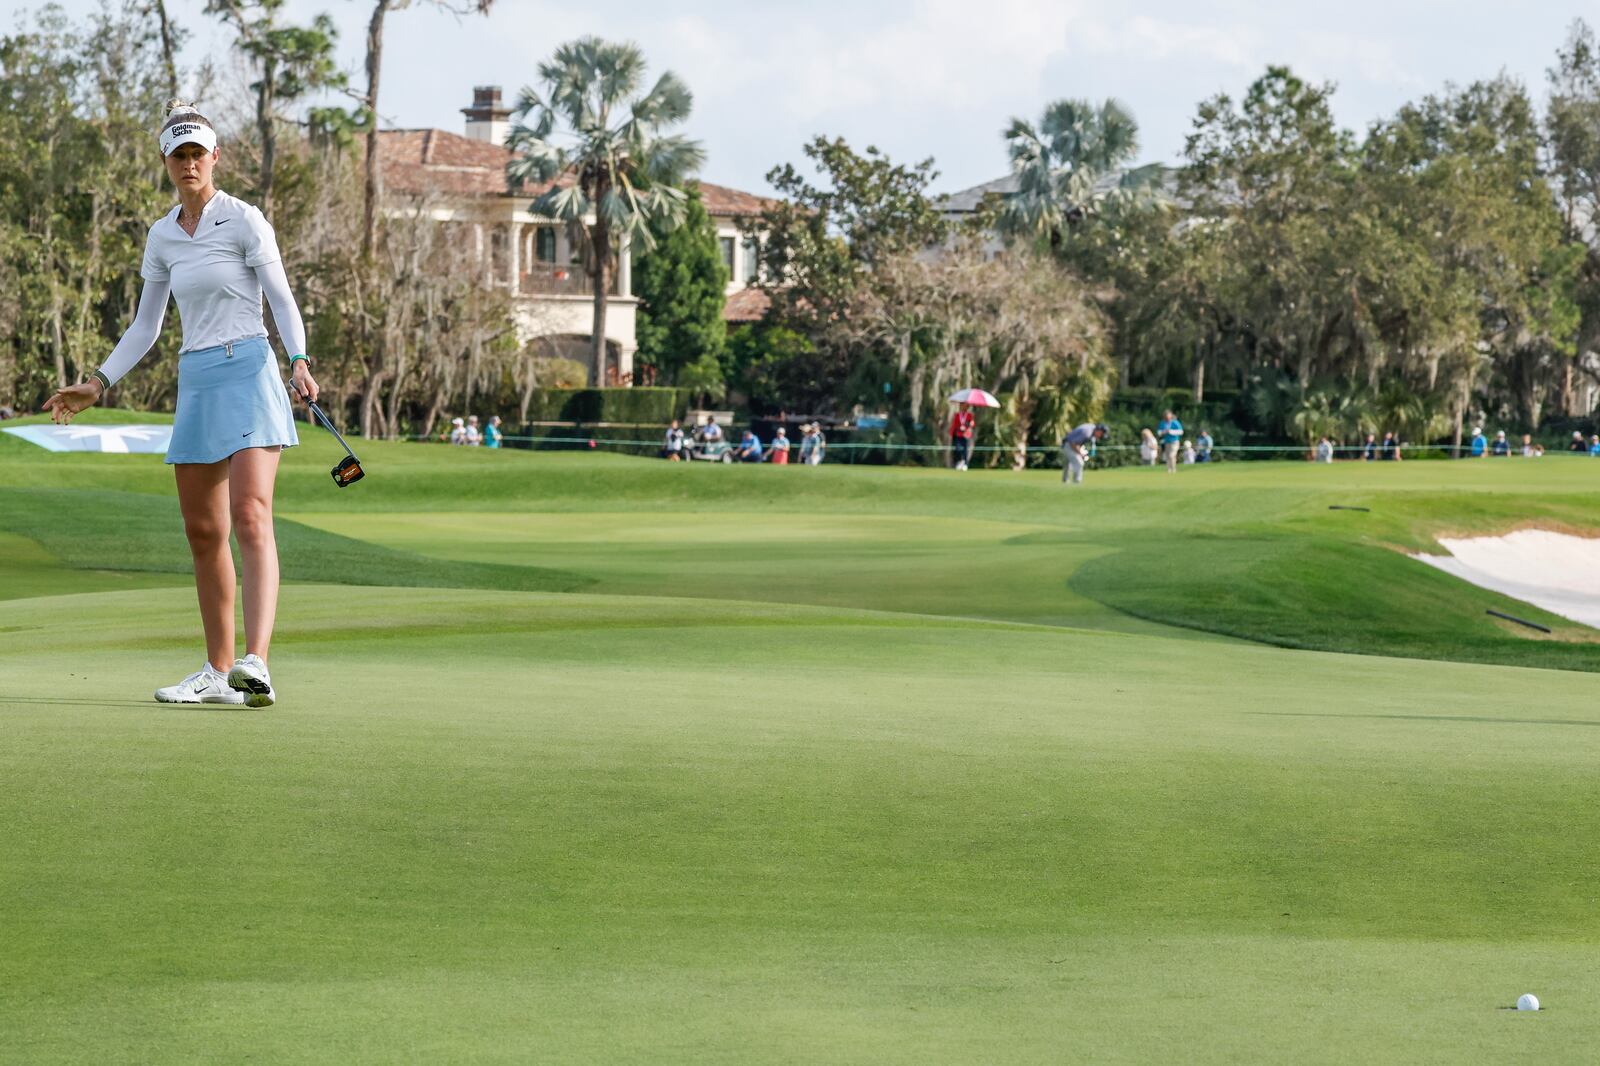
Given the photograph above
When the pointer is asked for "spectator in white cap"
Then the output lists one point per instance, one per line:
(1501, 446)
(458, 431)
(217, 256)
(1479, 446)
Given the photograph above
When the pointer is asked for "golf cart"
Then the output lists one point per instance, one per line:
(717, 450)
(711, 451)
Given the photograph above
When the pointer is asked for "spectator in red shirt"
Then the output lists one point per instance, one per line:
(963, 427)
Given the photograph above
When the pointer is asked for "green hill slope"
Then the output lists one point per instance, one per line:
(1247, 551)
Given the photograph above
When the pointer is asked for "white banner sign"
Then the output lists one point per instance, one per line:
(121, 440)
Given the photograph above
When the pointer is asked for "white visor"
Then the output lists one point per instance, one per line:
(188, 133)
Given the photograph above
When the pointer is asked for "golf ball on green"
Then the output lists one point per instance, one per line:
(1527, 1001)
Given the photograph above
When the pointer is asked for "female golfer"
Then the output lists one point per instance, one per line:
(217, 256)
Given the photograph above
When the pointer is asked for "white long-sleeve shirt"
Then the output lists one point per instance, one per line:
(218, 277)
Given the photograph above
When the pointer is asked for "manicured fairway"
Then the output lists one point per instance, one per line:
(598, 760)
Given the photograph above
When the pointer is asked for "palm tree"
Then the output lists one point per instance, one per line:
(1413, 416)
(1072, 166)
(623, 169)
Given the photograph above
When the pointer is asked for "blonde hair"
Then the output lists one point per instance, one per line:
(183, 111)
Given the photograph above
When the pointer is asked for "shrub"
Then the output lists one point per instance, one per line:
(652, 406)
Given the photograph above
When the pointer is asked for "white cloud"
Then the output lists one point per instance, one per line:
(1329, 54)
(1156, 39)
(934, 77)
(941, 54)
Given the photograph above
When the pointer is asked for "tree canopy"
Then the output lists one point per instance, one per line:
(681, 282)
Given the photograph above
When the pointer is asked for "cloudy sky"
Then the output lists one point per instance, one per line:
(942, 77)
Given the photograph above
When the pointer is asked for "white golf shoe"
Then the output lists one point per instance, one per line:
(249, 676)
(206, 685)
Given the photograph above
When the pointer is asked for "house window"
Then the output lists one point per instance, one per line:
(544, 244)
(727, 255)
(752, 261)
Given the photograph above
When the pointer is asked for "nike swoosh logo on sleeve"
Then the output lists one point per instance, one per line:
(220, 221)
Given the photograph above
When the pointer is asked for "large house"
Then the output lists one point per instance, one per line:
(960, 208)
(461, 178)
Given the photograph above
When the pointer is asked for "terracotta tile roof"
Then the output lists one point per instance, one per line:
(726, 202)
(746, 305)
(433, 161)
(416, 162)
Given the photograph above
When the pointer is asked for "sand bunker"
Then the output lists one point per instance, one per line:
(1556, 571)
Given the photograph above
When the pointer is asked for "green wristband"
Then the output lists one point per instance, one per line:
(105, 382)
(302, 355)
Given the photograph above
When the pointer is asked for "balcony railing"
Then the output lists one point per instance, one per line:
(563, 279)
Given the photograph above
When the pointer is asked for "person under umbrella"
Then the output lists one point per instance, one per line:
(963, 427)
(964, 424)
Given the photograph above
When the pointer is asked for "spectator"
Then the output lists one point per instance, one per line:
(7, 411)
(672, 443)
(1170, 433)
(1188, 454)
(1501, 446)
(963, 427)
(1527, 446)
(474, 437)
(1202, 446)
(813, 444)
(491, 433)
(780, 448)
(749, 448)
(1075, 450)
(1577, 444)
(711, 433)
(1147, 447)
(1369, 448)
(1390, 448)
(1594, 445)
(458, 431)
(1324, 450)
(1479, 445)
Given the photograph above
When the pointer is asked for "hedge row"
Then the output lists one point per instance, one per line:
(638, 404)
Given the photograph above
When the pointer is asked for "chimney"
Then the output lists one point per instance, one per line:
(487, 120)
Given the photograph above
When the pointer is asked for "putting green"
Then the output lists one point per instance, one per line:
(789, 789)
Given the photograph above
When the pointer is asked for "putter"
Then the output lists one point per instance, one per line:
(349, 471)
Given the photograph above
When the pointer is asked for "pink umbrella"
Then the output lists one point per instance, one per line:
(976, 397)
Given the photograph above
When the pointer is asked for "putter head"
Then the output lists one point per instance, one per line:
(348, 472)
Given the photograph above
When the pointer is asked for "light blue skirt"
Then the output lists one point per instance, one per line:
(230, 398)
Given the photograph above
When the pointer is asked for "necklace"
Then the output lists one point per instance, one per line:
(186, 219)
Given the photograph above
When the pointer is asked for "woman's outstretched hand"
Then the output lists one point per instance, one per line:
(65, 403)
(304, 384)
